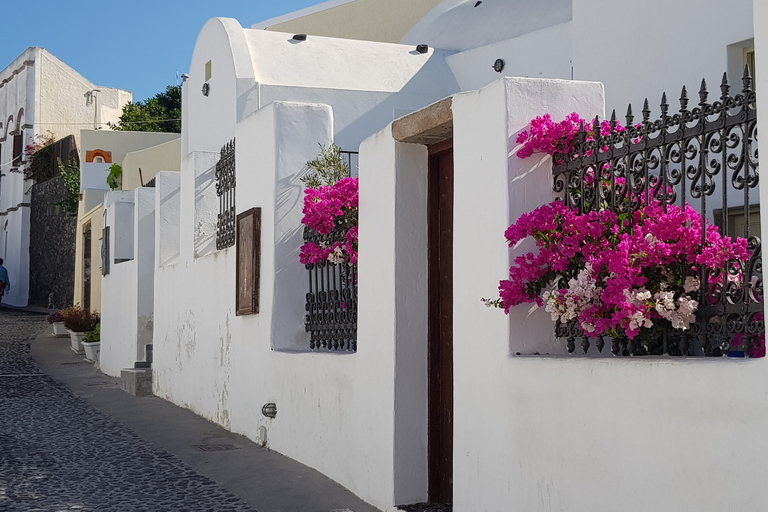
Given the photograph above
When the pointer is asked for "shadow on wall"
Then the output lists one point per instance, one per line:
(206, 209)
(432, 83)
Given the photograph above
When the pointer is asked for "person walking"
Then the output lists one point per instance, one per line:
(5, 283)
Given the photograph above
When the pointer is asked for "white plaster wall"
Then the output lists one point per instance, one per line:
(461, 24)
(664, 52)
(535, 433)
(164, 156)
(367, 84)
(93, 175)
(168, 227)
(224, 367)
(545, 53)
(19, 102)
(119, 293)
(128, 290)
(206, 204)
(761, 80)
(69, 102)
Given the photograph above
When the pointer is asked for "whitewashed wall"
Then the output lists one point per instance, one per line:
(641, 49)
(366, 84)
(127, 292)
(545, 53)
(551, 433)
(226, 367)
(18, 108)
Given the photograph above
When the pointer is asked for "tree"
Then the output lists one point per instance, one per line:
(161, 113)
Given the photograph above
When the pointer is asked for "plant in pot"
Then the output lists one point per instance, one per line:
(79, 321)
(56, 319)
(92, 344)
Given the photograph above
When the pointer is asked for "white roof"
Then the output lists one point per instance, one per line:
(465, 24)
(331, 63)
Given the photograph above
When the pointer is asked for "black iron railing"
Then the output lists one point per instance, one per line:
(705, 156)
(331, 317)
(352, 159)
(225, 189)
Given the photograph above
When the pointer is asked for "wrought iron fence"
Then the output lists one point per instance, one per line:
(225, 189)
(331, 306)
(705, 156)
(352, 159)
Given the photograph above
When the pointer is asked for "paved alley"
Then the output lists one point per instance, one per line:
(59, 453)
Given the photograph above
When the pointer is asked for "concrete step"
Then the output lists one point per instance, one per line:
(136, 381)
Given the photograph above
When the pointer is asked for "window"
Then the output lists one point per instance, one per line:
(248, 260)
(18, 147)
(225, 189)
(207, 71)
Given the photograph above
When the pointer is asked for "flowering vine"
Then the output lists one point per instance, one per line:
(330, 207)
(624, 275)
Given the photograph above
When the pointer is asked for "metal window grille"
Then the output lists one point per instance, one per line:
(331, 305)
(352, 159)
(705, 156)
(225, 189)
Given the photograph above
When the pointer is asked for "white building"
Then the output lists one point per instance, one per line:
(39, 95)
(526, 433)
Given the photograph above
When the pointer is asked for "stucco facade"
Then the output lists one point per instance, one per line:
(152, 152)
(529, 432)
(39, 95)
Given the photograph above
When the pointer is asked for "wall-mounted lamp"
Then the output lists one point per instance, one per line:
(422, 48)
(498, 66)
(299, 37)
(206, 89)
(478, 2)
(269, 410)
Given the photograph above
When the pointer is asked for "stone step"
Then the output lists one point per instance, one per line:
(136, 381)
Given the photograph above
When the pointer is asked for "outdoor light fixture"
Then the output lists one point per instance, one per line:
(184, 77)
(269, 410)
(299, 37)
(498, 66)
(478, 3)
(206, 89)
(422, 48)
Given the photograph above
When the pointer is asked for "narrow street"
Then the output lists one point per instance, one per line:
(58, 453)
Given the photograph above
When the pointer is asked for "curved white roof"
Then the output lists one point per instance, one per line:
(465, 24)
(332, 63)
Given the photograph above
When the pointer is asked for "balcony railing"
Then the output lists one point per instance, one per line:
(705, 156)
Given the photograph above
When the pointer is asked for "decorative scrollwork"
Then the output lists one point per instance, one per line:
(706, 154)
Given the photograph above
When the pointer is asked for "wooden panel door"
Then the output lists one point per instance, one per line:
(440, 353)
(248, 261)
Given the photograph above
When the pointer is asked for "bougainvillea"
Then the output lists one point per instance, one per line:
(326, 208)
(610, 278)
(619, 275)
(549, 137)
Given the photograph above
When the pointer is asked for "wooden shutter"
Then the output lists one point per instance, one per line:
(248, 260)
(105, 251)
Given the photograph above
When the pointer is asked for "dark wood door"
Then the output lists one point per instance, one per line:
(440, 353)
(87, 269)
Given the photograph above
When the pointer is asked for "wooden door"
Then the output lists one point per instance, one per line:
(440, 353)
(87, 268)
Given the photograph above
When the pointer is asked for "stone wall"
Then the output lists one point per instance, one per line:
(51, 247)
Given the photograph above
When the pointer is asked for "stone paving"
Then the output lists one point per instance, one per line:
(58, 453)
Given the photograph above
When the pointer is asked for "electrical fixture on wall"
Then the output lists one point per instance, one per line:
(206, 89)
(498, 66)
(269, 410)
(422, 48)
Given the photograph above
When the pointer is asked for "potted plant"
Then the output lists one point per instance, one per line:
(92, 344)
(56, 320)
(79, 321)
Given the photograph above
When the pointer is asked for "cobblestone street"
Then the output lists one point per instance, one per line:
(59, 453)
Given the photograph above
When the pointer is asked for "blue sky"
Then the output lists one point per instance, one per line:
(137, 45)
